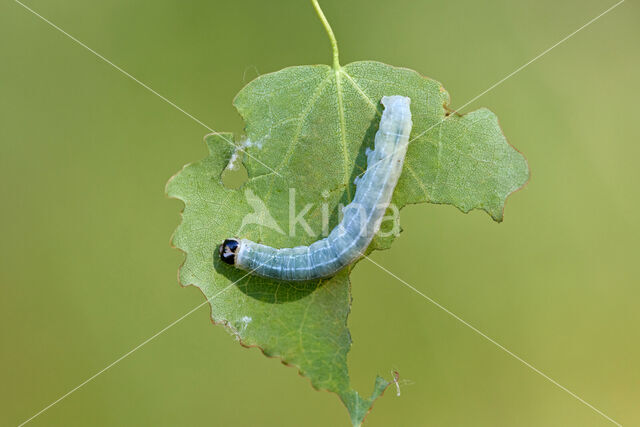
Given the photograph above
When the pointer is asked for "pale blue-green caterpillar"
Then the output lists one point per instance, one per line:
(361, 218)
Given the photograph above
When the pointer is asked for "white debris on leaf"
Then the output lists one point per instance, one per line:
(396, 377)
(238, 328)
(245, 322)
(240, 149)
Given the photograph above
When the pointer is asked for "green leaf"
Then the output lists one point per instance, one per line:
(313, 125)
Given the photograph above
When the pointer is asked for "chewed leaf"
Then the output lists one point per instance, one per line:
(311, 127)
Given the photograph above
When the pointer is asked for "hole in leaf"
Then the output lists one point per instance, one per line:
(236, 177)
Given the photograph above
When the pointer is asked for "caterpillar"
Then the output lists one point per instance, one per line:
(361, 218)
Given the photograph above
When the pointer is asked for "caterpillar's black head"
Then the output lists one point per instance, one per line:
(228, 250)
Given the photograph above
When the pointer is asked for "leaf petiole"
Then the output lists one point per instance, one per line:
(332, 37)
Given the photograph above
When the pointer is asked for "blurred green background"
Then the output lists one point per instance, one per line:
(87, 272)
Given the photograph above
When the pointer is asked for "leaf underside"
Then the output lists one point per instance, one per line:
(313, 125)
